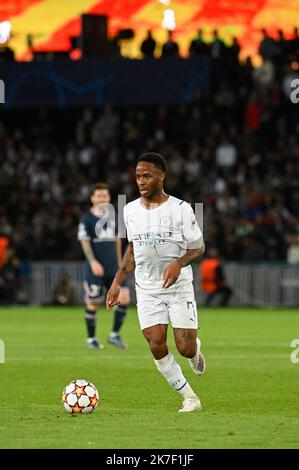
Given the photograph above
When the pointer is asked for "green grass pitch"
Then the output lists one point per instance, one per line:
(250, 391)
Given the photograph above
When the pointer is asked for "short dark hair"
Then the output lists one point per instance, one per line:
(154, 158)
(97, 186)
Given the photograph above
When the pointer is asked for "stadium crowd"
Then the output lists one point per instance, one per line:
(236, 149)
(205, 42)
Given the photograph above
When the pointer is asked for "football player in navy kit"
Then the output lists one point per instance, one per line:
(103, 251)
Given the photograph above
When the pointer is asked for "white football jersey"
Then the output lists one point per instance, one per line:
(160, 236)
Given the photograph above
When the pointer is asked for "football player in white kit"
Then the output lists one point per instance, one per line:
(164, 239)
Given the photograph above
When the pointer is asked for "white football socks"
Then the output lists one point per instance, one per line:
(172, 372)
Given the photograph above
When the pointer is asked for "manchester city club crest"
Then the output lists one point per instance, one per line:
(165, 221)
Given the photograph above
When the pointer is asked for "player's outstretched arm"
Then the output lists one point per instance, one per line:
(127, 266)
(172, 272)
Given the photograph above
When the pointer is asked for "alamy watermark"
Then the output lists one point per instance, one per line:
(294, 85)
(2, 92)
(2, 352)
(295, 354)
(111, 224)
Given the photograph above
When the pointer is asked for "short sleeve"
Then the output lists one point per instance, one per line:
(127, 224)
(84, 232)
(191, 231)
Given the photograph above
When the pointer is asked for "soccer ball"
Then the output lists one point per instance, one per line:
(80, 396)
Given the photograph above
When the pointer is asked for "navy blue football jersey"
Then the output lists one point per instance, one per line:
(101, 231)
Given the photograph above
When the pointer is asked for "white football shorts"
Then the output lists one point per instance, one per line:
(176, 304)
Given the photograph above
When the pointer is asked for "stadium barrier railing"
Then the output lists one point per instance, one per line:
(259, 284)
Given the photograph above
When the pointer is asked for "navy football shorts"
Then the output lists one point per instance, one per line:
(95, 293)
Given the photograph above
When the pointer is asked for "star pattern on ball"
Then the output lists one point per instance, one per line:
(94, 401)
(79, 391)
(77, 408)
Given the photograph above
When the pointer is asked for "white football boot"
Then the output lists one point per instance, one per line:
(198, 363)
(191, 404)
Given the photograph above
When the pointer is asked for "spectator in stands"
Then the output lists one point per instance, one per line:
(6, 54)
(4, 244)
(9, 272)
(268, 49)
(198, 46)
(252, 114)
(293, 249)
(148, 46)
(105, 129)
(282, 49)
(212, 279)
(217, 48)
(232, 53)
(264, 76)
(83, 130)
(294, 45)
(226, 155)
(170, 48)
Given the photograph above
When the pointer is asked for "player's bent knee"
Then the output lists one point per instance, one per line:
(186, 349)
(158, 349)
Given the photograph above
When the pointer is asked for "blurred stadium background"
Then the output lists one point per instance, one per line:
(85, 95)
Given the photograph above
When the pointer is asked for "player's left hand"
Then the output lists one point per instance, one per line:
(171, 274)
(112, 296)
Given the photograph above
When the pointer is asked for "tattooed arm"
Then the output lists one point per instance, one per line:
(172, 272)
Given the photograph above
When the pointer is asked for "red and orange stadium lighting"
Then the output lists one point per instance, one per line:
(51, 23)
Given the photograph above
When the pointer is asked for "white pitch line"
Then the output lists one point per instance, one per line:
(249, 343)
(138, 358)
